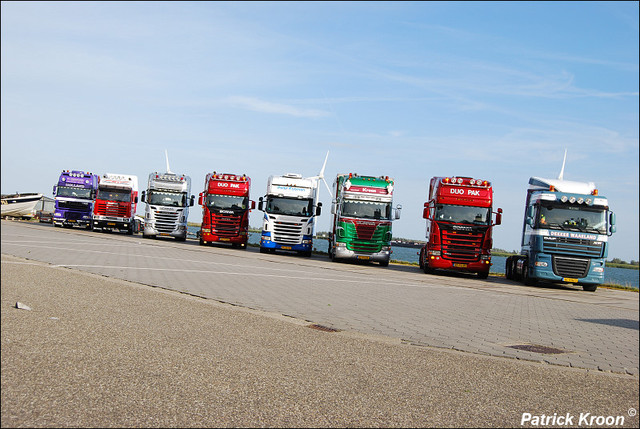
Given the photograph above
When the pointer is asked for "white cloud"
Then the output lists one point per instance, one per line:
(263, 106)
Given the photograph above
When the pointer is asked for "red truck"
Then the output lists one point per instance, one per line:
(116, 203)
(225, 209)
(459, 224)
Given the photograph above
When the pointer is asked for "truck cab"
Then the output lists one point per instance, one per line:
(459, 223)
(116, 203)
(565, 234)
(225, 209)
(167, 205)
(74, 195)
(362, 217)
(290, 207)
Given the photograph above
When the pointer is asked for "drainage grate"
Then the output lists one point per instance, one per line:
(537, 349)
(323, 328)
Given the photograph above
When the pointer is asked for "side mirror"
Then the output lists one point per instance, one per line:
(54, 189)
(192, 200)
(612, 223)
(319, 209)
(253, 204)
(260, 201)
(201, 199)
(142, 196)
(397, 212)
(529, 216)
(425, 211)
(499, 217)
(135, 199)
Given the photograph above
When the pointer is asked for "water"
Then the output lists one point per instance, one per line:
(619, 276)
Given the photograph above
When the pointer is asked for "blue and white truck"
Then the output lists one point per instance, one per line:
(290, 207)
(565, 234)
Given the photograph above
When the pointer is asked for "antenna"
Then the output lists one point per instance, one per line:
(561, 175)
(166, 156)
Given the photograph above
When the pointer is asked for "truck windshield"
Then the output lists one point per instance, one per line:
(163, 198)
(289, 206)
(463, 214)
(572, 217)
(65, 191)
(114, 195)
(226, 202)
(366, 209)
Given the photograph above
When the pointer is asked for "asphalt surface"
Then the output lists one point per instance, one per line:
(95, 350)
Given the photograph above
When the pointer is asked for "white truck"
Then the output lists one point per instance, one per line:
(290, 207)
(167, 203)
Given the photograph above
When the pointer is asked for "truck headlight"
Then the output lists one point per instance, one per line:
(598, 270)
(541, 264)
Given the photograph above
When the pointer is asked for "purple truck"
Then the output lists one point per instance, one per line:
(74, 195)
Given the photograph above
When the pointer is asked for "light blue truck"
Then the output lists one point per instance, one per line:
(565, 234)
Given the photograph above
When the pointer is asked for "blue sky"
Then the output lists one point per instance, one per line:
(411, 90)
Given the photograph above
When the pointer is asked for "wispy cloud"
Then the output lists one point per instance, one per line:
(263, 106)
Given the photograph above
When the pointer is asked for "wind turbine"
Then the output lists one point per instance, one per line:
(166, 157)
(321, 176)
(561, 175)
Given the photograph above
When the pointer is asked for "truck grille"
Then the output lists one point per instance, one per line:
(364, 238)
(114, 209)
(166, 221)
(73, 205)
(570, 267)
(224, 225)
(287, 232)
(461, 246)
(573, 246)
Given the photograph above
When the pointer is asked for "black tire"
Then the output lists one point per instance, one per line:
(589, 288)
(264, 250)
(426, 268)
(420, 259)
(384, 263)
(525, 275)
(508, 268)
(483, 275)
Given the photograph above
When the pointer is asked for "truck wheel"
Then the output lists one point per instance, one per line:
(508, 269)
(384, 263)
(264, 250)
(525, 276)
(426, 268)
(589, 288)
(483, 275)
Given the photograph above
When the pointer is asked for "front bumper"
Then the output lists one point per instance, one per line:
(178, 232)
(482, 266)
(208, 237)
(344, 253)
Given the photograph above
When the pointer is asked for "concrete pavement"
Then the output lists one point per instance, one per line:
(96, 350)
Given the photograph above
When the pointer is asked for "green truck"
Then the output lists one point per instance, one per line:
(362, 216)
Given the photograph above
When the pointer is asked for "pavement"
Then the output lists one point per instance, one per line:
(96, 350)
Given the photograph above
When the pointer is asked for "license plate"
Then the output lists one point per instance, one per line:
(165, 234)
(286, 247)
(71, 220)
(225, 239)
(111, 223)
(460, 265)
(569, 280)
(366, 258)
